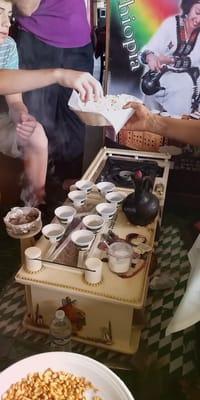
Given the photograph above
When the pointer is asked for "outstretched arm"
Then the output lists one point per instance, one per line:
(15, 81)
(187, 131)
(27, 7)
(16, 106)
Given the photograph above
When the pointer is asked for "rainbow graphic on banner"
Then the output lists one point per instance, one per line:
(132, 24)
(146, 15)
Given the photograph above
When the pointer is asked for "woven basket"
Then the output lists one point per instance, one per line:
(140, 140)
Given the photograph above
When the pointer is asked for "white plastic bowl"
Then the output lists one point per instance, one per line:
(109, 385)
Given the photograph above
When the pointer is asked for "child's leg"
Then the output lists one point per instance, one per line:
(35, 163)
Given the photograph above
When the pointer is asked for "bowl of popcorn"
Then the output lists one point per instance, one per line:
(107, 111)
(22, 220)
(61, 375)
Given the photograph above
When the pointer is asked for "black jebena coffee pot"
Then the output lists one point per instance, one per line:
(142, 206)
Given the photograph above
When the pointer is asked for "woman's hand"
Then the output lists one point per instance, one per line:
(166, 60)
(155, 63)
(87, 86)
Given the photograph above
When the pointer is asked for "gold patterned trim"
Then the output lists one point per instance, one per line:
(33, 272)
(92, 284)
(107, 296)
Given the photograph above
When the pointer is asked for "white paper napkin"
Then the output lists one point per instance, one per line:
(114, 115)
(188, 311)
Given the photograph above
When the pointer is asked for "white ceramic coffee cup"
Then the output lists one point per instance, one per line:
(78, 197)
(53, 232)
(106, 210)
(82, 238)
(93, 222)
(115, 197)
(65, 214)
(105, 187)
(32, 259)
(95, 264)
(84, 185)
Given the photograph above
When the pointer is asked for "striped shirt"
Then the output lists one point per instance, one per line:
(8, 54)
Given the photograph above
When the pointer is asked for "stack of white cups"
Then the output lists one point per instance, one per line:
(32, 259)
(94, 264)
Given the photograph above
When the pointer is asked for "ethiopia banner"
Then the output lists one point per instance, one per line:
(154, 52)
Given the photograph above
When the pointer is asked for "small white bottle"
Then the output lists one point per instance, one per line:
(60, 332)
